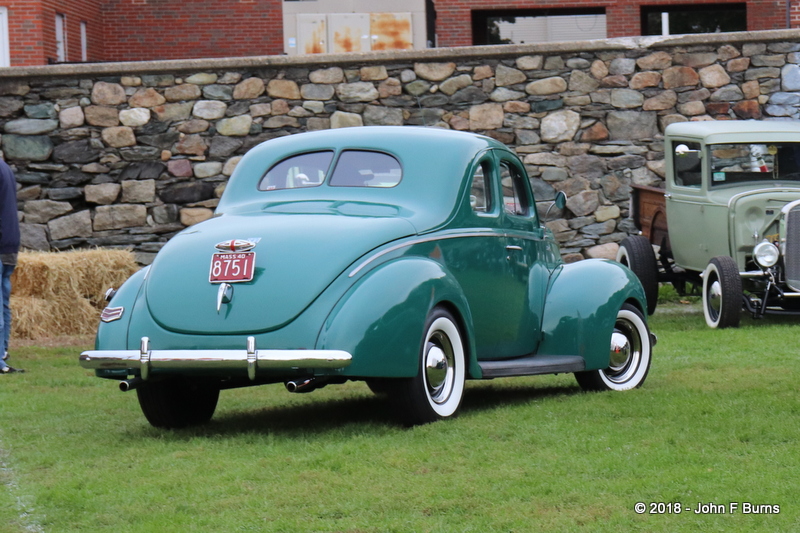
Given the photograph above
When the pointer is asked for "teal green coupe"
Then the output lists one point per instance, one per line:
(410, 258)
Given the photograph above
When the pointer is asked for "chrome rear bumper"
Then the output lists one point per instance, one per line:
(144, 360)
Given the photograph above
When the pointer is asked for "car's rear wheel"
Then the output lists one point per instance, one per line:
(722, 293)
(636, 253)
(177, 402)
(629, 360)
(437, 389)
(379, 386)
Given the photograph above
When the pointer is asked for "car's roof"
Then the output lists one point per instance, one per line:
(433, 161)
(732, 131)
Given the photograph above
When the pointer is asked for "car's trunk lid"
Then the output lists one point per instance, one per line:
(297, 257)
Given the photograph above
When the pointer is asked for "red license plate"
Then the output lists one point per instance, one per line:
(232, 267)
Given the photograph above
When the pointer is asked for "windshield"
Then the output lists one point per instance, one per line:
(736, 163)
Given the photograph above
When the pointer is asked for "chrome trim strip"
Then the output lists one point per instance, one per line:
(430, 238)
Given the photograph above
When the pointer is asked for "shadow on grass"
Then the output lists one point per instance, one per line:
(358, 415)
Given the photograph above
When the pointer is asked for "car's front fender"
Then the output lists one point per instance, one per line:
(380, 320)
(581, 308)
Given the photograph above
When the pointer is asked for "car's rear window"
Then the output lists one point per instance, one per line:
(304, 170)
(360, 168)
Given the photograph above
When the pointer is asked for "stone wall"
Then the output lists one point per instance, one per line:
(128, 154)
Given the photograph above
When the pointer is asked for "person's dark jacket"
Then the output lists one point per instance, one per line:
(9, 223)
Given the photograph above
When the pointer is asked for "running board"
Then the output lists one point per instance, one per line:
(531, 366)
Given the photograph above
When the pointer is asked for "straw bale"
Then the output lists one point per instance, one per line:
(35, 318)
(61, 293)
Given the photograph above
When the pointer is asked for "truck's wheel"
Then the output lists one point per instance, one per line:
(722, 293)
(636, 253)
(177, 403)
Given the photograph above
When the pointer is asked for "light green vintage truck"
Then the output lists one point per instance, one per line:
(728, 223)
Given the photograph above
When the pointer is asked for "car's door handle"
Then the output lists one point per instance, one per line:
(514, 247)
(667, 195)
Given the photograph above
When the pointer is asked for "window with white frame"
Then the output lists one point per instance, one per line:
(61, 37)
(84, 45)
(5, 55)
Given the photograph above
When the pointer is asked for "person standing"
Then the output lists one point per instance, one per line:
(9, 248)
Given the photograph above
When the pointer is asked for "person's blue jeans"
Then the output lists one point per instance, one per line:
(5, 318)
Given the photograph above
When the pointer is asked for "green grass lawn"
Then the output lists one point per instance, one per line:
(716, 422)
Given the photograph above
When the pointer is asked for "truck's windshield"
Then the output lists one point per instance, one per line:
(737, 163)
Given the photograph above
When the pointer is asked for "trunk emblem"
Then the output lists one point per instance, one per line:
(236, 245)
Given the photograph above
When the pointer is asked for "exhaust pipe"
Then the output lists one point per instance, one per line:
(129, 384)
(310, 384)
(304, 385)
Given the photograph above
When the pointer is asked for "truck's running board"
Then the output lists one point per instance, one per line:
(531, 366)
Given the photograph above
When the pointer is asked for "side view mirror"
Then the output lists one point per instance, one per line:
(560, 202)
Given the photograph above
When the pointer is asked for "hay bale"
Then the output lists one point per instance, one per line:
(62, 293)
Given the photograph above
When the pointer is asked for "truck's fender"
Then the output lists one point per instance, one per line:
(114, 335)
(380, 320)
(581, 308)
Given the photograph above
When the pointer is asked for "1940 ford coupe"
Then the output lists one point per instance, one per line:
(410, 258)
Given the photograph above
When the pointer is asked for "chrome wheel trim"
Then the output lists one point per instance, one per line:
(439, 368)
(628, 371)
(626, 351)
(444, 368)
(714, 300)
(620, 352)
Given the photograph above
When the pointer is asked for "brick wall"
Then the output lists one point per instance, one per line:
(144, 30)
(175, 29)
(454, 17)
(32, 37)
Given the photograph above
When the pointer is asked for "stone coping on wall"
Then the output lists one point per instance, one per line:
(430, 54)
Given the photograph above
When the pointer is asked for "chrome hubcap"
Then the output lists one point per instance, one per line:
(439, 369)
(626, 351)
(620, 352)
(714, 299)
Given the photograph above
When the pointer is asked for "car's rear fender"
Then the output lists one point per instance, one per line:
(581, 307)
(380, 320)
(115, 333)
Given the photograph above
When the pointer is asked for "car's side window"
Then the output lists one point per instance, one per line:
(304, 170)
(515, 200)
(360, 168)
(688, 165)
(480, 193)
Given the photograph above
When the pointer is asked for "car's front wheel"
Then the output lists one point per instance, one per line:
(630, 354)
(722, 293)
(437, 389)
(178, 402)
